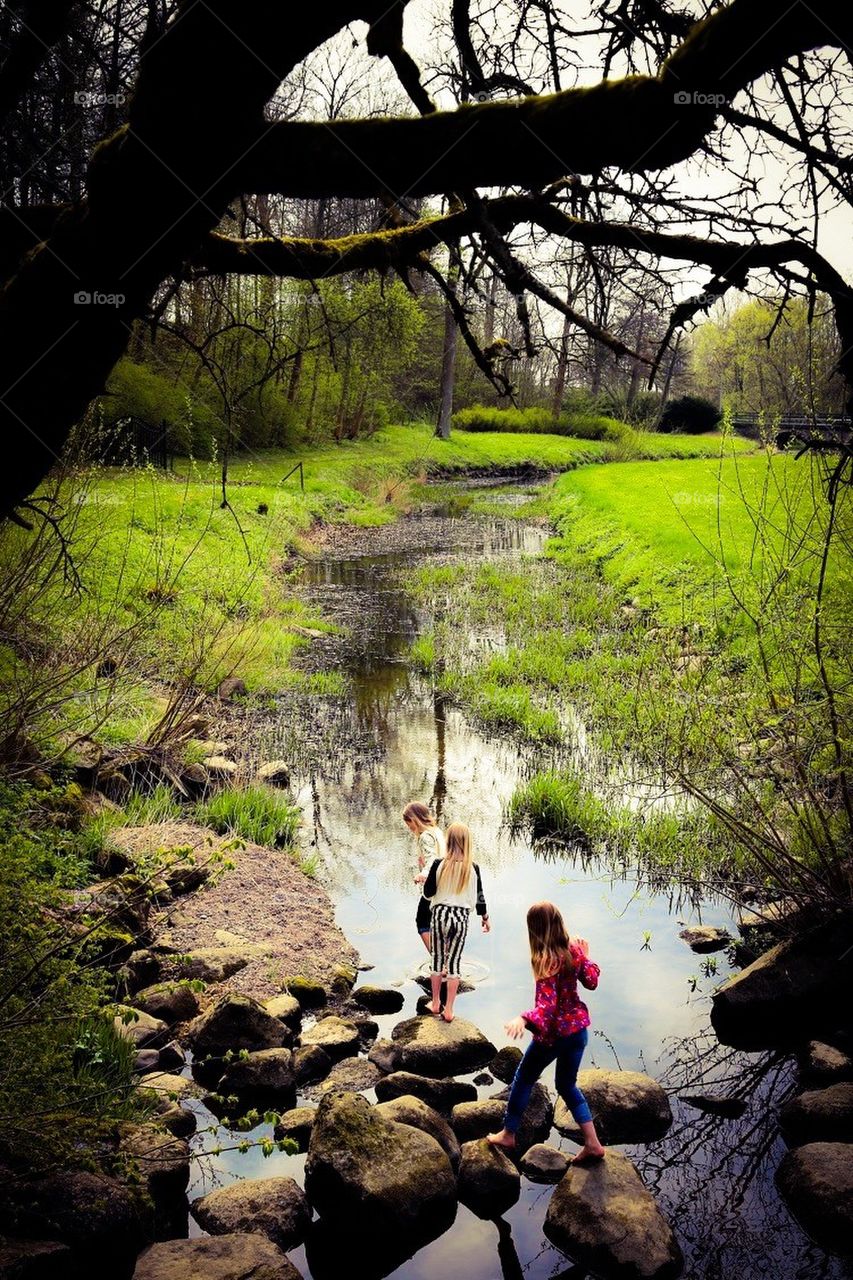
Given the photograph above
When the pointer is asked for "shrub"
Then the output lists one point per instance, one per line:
(585, 425)
(691, 414)
(255, 813)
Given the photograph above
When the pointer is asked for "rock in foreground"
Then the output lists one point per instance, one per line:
(488, 1180)
(410, 1110)
(231, 1257)
(237, 1022)
(271, 1207)
(627, 1106)
(816, 1182)
(370, 1174)
(543, 1163)
(605, 1219)
(431, 1047)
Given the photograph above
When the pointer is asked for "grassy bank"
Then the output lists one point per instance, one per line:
(675, 612)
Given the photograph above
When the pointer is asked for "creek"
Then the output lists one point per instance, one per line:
(393, 739)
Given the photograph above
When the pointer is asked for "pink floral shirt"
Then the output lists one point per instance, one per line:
(558, 1010)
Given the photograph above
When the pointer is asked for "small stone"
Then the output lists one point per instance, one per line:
(162, 1160)
(275, 773)
(215, 964)
(627, 1106)
(287, 1008)
(505, 1063)
(433, 1047)
(310, 1064)
(703, 938)
(483, 1079)
(296, 1125)
(178, 1121)
(543, 1163)
(343, 979)
(337, 1037)
(378, 999)
(236, 1022)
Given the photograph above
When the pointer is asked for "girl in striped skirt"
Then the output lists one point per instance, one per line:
(455, 889)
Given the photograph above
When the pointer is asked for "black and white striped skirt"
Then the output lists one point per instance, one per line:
(447, 933)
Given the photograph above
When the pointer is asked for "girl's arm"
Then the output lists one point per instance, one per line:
(431, 883)
(482, 909)
(541, 1017)
(587, 972)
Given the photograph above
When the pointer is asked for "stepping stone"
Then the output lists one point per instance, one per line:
(432, 1047)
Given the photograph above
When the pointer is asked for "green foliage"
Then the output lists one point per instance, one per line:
(257, 813)
(584, 425)
(690, 414)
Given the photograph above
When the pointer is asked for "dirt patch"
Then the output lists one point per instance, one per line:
(264, 902)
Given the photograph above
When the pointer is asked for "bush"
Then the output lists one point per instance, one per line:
(537, 421)
(690, 414)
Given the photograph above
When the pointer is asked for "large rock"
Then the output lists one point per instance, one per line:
(178, 1121)
(373, 1175)
(296, 1125)
(310, 1064)
(488, 1181)
(92, 1213)
(234, 1257)
(237, 1022)
(816, 1182)
(410, 1110)
(170, 1001)
(161, 1160)
(310, 993)
(271, 1207)
(604, 1218)
(543, 1163)
(336, 1036)
(215, 964)
(821, 1115)
(35, 1260)
(140, 1028)
(441, 1095)
(703, 938)
(432, 1047)
(263, 1076)
(473, 1120)
(627, 1106)
(790, 993)
(146, 1060)
(378, 999)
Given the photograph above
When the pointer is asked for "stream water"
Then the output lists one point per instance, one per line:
(395, 740)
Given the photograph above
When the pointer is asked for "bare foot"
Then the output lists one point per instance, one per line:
(588, 1153)
(502, 1139)
(448, 1017)
(436, 1009)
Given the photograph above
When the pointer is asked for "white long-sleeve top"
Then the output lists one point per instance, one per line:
(471, 896)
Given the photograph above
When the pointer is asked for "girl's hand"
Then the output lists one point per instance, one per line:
(515, 1029)
(487, 928)
(420, 879)
(582, 946)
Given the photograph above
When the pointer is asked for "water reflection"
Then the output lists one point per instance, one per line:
(396, 740)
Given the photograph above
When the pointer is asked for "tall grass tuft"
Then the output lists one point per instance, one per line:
(254, 813)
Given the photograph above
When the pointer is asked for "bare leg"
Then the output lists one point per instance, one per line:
(452, 988)
(435, 983)
(592, 1148)
(425, 940)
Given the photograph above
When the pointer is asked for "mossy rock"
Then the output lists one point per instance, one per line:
(310, 993)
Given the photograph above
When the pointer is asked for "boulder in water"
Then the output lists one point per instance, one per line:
(356, 1075)
(821, 1115)
(271, 1207)
(823, 1064)
(335, 1036)
(816, 1182)
(373, 1175)
(287, 1008)
(432, 1047)
(296, 1125)
(544, 1163)
(310, 1064)
(627, 1106)
(603, 1217)
(378, 999)
(236, 1022)
(703, 938)
(504, 1064)
(229, 1257)
(410, 1110)
(385, 1055)
(488, 1181)
(263, 1076)
(441, 1095)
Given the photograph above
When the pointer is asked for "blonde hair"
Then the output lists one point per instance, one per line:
(550, 945)
(456, 865)
(420, 815)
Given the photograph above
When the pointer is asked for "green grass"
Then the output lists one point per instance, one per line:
(257, 814)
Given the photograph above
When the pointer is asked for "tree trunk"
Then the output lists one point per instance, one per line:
(448, 359)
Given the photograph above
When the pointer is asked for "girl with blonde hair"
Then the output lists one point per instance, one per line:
(429, 845)
(455, 889)
(559, 1022)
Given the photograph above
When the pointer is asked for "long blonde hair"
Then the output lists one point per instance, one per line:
(550, 945)
(456, 867)
(419, 814)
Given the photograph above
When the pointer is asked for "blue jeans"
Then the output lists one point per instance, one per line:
(568, 1050)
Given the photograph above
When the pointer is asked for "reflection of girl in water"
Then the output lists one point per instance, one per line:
(429, 845)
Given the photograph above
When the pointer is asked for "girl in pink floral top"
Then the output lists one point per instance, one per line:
(558, 1021)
